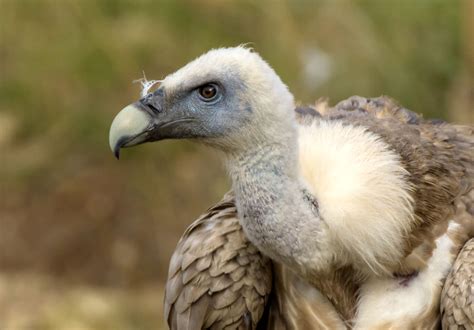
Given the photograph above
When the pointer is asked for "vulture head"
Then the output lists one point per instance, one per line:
(229, 98)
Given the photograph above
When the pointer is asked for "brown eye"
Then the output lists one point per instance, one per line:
(208, 92)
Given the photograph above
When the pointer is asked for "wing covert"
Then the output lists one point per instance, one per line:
(217, 279)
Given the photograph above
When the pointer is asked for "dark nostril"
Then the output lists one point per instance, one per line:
(148, 102)
(154, 108)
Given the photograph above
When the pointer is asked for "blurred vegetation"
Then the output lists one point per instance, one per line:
(75, 223)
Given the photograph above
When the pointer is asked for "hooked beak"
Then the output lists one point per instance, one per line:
(148, 120)
(130, 127)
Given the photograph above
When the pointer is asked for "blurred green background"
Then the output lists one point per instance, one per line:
(85, 240)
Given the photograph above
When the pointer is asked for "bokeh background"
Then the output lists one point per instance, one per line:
(85, 240)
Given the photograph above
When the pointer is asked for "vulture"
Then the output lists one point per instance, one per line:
(357, 216)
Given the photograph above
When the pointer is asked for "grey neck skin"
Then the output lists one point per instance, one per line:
(272, 207)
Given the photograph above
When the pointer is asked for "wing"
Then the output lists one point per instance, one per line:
(296, 304)
(217, 279)
(457, 298)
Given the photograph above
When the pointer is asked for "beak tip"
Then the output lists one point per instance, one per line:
(130, 122)
(117, 153)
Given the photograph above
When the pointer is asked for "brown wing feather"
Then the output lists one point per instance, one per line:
(379, 107)
(299, 305)
(457, 298)
(217, 279)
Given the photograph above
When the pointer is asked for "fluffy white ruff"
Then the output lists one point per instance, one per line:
(362, 191)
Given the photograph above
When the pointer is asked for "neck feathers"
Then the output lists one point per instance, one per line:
(276, 211)
(365, 207)
(362, 189)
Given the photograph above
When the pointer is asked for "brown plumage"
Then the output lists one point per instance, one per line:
(457, 298)
(218, 279)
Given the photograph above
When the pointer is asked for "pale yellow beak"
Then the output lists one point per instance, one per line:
(128, 128)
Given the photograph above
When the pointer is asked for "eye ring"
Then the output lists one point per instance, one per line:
(208, 92)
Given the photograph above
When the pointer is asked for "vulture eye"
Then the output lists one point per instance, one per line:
(208, 92)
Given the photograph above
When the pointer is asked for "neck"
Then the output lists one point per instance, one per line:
(274, 209)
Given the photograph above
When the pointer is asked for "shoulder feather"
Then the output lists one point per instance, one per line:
(217, 278)
(457, 298)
